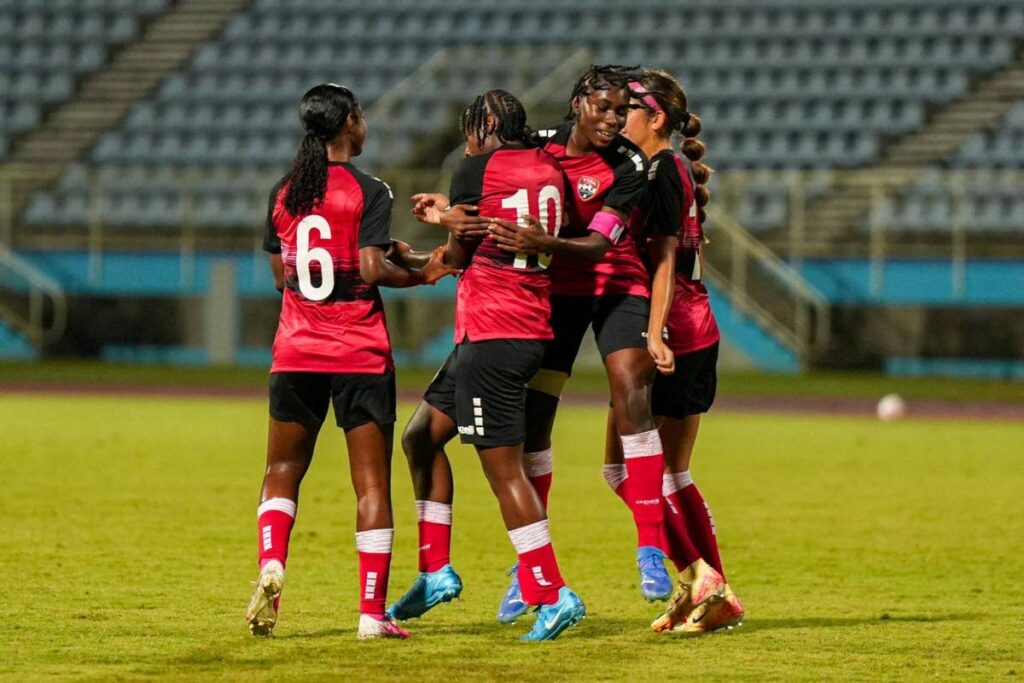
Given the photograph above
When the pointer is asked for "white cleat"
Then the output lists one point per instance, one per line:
(262, 612)
(384, 627)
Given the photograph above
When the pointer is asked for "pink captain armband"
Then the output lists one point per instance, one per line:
(609, 225)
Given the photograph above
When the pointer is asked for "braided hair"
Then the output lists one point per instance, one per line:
(324, 111)
(506, 108)
(602, 77)
(671, 97)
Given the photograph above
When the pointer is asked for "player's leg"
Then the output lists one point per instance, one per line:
(490, 405)
(570, 318)
(705, 601)
(364, 406)
(431, 427)
(298, 405)
(619, 326)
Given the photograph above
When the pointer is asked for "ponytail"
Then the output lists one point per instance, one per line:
(694, 149)
(307, 179)
(324, 111)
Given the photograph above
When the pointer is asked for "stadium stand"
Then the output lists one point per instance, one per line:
(788, 85)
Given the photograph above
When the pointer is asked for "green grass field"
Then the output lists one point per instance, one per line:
(862, 550)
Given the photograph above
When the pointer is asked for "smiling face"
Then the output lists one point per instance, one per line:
(601, 115)
(644, 125)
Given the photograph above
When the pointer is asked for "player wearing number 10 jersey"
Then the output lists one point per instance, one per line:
(501, 327)
(327, 233)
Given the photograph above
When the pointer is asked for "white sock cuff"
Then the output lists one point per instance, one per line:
(668, 484)
(375, 540)
(614, 475)
(530, 537)
(538, 463)
(284, 505)
(641, 445)
(682, 479)
(431, 511)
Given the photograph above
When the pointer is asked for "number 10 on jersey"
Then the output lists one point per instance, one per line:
(520, 202)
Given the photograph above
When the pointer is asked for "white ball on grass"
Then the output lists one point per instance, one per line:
(891, 407)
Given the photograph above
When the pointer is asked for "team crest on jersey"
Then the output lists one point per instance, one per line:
(587, 187)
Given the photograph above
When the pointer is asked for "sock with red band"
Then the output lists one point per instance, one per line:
(644, 467)
(435, 527)
(679, 546)
(374, 547)
(699, 522)
(274, 520)
(539, 578)
(538, 467)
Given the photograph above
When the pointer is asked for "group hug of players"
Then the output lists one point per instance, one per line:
(596, 223)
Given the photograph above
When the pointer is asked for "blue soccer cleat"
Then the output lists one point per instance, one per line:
(553, 619)
(655, 583)
(512, 606)
(428, 590)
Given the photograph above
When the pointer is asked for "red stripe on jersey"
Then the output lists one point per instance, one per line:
(330, 323)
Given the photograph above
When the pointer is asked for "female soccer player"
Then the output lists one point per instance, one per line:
(597, 278)
(501, 327)
(674, 203)
(328, 230)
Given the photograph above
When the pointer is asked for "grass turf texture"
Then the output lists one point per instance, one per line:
(861, 550)
(856, 385)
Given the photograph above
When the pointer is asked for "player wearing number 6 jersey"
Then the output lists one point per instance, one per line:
(328, 233)
(501, 327)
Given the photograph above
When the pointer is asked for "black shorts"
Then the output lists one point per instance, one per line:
(619, 320)
(690, 390)
(482, 388)
(358, 398)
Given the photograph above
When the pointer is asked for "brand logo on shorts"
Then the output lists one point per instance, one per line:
(467, 431)
(587, 187)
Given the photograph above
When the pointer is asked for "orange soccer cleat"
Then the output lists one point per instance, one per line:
(698, 585)
(727, 613)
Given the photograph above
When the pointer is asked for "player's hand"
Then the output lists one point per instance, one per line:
(460, 220)
(529, 239)
(436, 267)
(664, 359)
(428, 207)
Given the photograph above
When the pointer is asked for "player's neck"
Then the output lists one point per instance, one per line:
(339, 152)
(578, 143)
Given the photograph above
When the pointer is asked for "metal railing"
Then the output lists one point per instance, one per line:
(30, 302)
(765, 287)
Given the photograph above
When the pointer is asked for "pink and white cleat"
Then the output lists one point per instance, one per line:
(382, 626)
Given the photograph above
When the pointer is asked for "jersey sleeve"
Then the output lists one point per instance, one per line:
(630, 179)
(375, 223)
(271, 242)
(468, 180)
(666, 199)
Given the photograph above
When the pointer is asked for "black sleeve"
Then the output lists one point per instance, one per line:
(271, 242)
(468, 180)
(665, 199)
(375, 224)
(630, 167)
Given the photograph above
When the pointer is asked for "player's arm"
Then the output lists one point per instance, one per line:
(271, 241)
(662, 250)
(376, 269)
(605, 230)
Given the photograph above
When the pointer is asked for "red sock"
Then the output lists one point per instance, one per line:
(644, 467)
(679, 546)
(435, 526)
(699, 521)
(274, 520)
(374, 548)
(539, 578)
(538, 467)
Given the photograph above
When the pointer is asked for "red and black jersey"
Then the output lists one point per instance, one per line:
(502, 295)
(331, 320)
(614, 177)
(669, 208)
